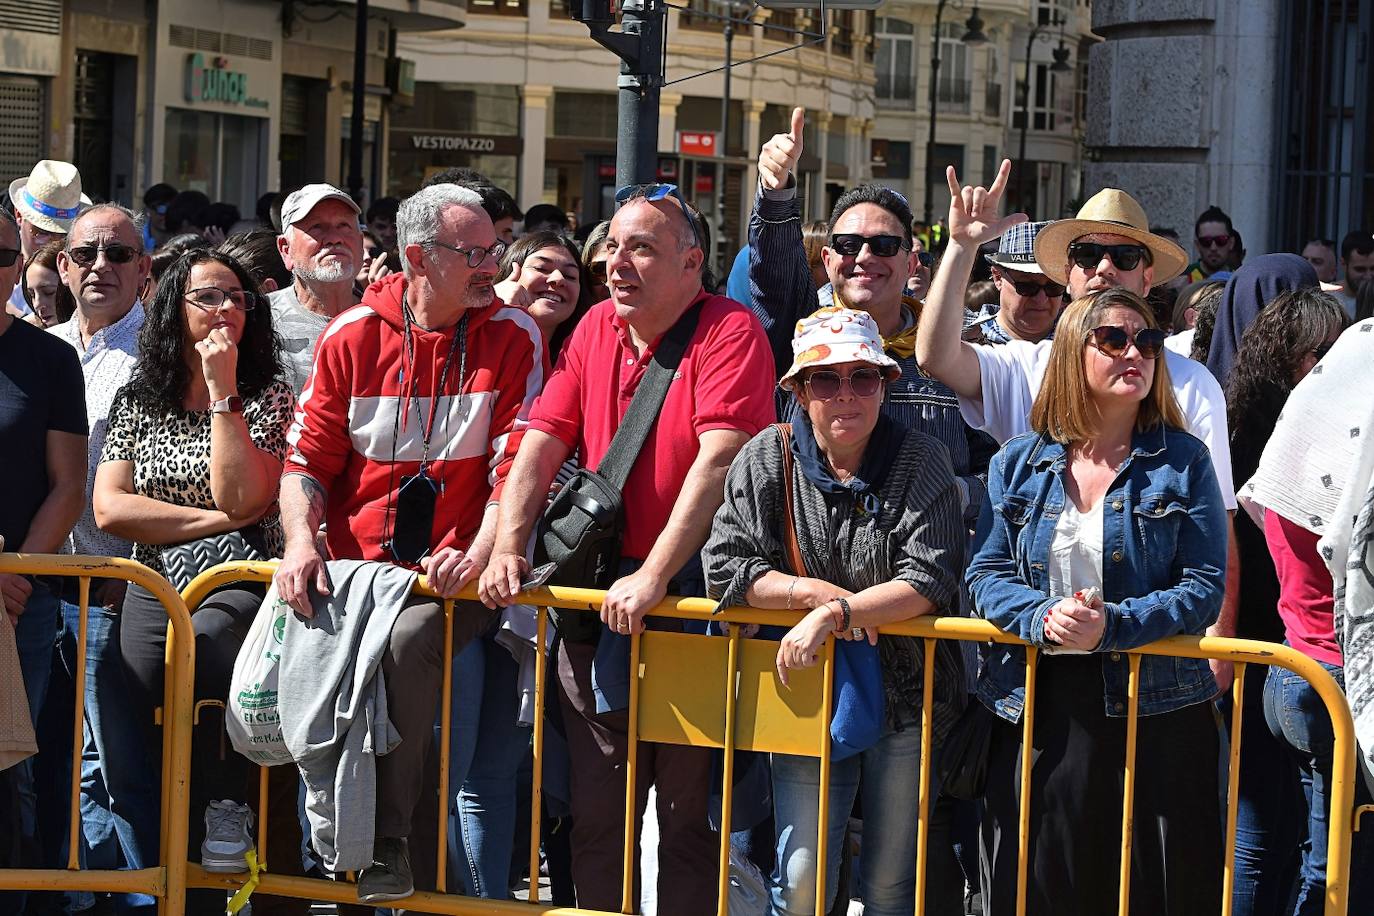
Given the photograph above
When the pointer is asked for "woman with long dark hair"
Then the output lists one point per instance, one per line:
(544, 276)
(194, 451)
(1285, 341)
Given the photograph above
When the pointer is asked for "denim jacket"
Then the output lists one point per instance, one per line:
(1163, 565)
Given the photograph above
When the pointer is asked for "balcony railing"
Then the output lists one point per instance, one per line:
(953, 94)
(992, 100)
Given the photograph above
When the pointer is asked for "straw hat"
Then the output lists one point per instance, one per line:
(50, 197)
(834, 335)
(1112, 211)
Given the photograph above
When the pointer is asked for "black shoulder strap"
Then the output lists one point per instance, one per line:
(648, 400)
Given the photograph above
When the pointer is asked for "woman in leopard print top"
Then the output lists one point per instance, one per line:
(195, 448)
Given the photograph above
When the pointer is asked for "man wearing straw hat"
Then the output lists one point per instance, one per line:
(45, 204)
(1108, 244)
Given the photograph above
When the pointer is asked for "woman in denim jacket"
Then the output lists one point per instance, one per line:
(1108, 496)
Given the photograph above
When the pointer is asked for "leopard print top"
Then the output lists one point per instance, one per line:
(171, 454)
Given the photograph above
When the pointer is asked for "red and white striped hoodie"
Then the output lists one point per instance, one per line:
(359, 420)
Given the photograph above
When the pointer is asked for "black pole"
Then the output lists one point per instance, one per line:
(1025, 123)
(641, 76)
(355, 133)
(722, 151)
(934, 110)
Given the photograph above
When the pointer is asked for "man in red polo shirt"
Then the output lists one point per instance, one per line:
(721, 395)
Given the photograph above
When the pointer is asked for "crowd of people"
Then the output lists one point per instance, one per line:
(1063, 427)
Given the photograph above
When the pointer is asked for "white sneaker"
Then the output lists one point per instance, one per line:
(228, 837)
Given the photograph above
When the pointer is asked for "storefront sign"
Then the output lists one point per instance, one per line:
(216, 83)
(698, 143)
(467, 143)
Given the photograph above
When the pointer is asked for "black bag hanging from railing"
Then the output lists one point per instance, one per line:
(581, 530)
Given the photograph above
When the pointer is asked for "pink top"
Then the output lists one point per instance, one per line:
(1305, 602)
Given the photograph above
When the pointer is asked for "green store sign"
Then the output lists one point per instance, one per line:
(216, 83)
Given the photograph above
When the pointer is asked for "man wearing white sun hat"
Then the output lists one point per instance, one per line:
(44, 203)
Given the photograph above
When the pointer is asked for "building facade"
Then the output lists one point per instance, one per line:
(525, 96)
(229, 97)
(982, 99)
(1261, 107)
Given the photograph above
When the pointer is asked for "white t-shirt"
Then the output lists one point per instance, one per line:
(1012, 373)
(1075, 561)
(1182, 342)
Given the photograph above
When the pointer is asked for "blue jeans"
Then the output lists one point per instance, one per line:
(1270, 812)
(487, 747)
(119, 797)
(1299, 720)
(888, 774)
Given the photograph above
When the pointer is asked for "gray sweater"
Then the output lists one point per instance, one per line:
(915, 536)
(332, 701)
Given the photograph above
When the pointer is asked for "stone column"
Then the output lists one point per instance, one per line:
(534, 110)
(667, 121)
(1175, 115)
(856, 158)
(816, 201)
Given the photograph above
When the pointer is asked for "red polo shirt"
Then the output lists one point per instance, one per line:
(725, 381)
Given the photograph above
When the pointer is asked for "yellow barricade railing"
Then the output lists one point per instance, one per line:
(167, 881)
(751, 712)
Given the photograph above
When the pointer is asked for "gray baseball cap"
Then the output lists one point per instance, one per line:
(298, 204)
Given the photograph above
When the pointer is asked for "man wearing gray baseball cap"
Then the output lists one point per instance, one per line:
(322, 245)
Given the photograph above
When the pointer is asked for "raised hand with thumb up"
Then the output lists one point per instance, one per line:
(778, 158)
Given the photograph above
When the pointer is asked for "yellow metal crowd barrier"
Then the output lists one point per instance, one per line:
(167, 881)
(751, 712)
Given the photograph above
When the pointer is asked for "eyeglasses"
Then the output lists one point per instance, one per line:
(85, 255)
(212, 298)
(477, 254)
(1213, 241)
(862, 383)
(598, 270)
(8, 256)
(1321, 351)
(850, 244)
(660, 192)
(1029, 289)
(1089, 254)
(1115, 341)
(927, 259)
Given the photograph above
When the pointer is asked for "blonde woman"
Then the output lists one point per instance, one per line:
(1107, 496)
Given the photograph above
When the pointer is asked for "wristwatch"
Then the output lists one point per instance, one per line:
(231, 404)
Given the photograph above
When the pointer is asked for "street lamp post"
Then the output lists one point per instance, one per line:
(1060, 65)
(973, 37)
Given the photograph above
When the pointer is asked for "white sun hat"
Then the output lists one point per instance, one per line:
(50, 197)
(835, 335)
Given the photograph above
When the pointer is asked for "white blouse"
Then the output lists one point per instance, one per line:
(1075, 561)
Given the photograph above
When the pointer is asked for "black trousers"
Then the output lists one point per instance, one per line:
(221, 625)
(1076, 802)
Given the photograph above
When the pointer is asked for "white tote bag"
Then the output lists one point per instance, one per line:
(253, 723)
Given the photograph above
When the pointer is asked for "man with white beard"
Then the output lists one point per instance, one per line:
(322, 245)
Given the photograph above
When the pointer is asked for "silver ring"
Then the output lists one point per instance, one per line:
(857, 633)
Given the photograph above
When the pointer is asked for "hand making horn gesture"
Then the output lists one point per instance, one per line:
(778, 158)
(973, 216)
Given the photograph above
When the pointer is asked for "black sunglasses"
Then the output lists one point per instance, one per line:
(1089, 254)
(1115, 341)
(8, 256)
(85, 255)
(1321, 351)
(1029, 289)
(825, 384)
(598, 270)
(850, 244)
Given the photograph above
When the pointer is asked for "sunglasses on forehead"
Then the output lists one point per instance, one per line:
(655, 192)
(1115, 341)
(1089, 254)
(850, 244)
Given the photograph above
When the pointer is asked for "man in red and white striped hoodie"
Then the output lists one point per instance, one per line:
(402, 439)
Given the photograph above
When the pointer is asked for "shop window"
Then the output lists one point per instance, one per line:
(498, 7)
(218, 154)
(585, 114)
